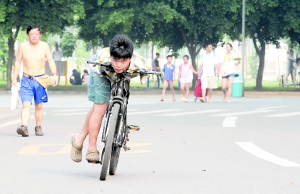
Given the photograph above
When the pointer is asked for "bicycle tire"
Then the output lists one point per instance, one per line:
(109, 140)
(114, 160)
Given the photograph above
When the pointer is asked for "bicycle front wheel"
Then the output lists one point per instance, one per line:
(114, 160)
(109, 140)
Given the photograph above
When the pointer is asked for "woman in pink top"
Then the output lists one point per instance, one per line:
(185, 77)
(85, 77)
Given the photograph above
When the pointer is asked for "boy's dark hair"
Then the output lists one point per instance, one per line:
(30, 27)
(186, 56)
(157, 54)
(121, 47)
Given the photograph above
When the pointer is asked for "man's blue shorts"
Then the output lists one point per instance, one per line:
(31, 88)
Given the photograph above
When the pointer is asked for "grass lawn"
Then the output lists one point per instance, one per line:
(268, 85)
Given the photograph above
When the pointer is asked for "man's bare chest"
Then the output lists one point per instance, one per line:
(34, 55)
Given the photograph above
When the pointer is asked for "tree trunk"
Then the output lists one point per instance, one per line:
(106, 41)
(261, 55)
(11, 51)
(261, 67)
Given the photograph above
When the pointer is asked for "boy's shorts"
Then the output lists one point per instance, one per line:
(31, 88)
(98, 89)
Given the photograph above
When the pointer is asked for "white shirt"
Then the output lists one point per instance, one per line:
(57, 55)
(208, 62)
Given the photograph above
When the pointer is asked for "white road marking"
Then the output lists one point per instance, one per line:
(191, 113)
(258, 152)
(71, 110)
(70, 114)
(270, 107)
(12, 114)
(285, 114)
(242, 113)
(66, 148)
(229, 122)
(132, 109)
(13, 122)
(154, 111)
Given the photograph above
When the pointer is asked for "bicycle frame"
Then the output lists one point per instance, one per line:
(120, 94)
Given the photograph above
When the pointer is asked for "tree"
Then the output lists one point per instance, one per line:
(51, 15)
(68, 42)
(194, 24)
(169, 23)
(267, 22)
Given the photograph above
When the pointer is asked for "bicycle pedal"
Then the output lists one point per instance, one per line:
(126, 148)
(133, 127)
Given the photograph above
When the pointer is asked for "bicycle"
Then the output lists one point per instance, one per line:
(115, 129)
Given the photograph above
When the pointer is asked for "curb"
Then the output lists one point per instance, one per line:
(158, 91)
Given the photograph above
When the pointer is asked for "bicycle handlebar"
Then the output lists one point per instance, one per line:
(140, 70)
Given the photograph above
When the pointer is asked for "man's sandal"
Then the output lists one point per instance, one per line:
(92, 156)
(76, 151)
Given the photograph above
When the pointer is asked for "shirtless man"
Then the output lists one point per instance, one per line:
(33, 54)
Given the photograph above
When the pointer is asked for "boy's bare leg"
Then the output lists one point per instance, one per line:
(79, 138)
(95, 124)
(164, 90)
(172, 89)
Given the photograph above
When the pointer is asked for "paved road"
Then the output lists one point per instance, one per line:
(248, 146)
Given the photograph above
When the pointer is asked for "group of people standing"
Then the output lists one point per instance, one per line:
(211, 67)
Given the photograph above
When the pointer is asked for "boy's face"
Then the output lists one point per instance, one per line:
(169, 59)
(120, 65)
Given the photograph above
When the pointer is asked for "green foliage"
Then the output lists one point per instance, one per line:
(82, 55)
(3, 49)
(68, 42)
(267, 22)
(51, 15)
(253, 65)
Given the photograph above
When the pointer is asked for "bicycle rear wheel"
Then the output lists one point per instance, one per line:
(109, 140)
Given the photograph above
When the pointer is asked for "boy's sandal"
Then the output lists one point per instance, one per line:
(92, 156)
(76, 151)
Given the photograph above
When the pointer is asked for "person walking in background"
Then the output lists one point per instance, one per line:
(85, 77)
(57, 53)
(155, 67)
(33, 54)
(207, 72)
(185, 77)
(228, 72)
(290, 68)
(169, 72)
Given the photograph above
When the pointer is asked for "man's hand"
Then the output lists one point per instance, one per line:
(14, 83)
(55, 80)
